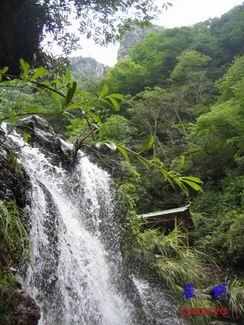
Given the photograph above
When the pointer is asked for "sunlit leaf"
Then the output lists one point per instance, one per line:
(26, 137)
(123, 153)
(192, 178)
(117, 96)
(24, 65)
(115, 104)
(104, 91)
(148, 144)
(182, 161)
(39, 73)
(193, 185)
(4, 70)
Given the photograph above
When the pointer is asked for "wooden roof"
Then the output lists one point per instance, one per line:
(165, 212)
(168, 217)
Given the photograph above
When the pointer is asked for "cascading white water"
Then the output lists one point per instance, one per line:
(71, 275)
(76, 273)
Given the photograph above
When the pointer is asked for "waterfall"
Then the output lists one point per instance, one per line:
(70, 274)
(76, 273)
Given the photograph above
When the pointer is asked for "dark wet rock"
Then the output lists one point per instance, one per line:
(42, 135)
(14, 182)
(27, 311)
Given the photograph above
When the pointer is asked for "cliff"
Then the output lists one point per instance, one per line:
(136, 35)
(87, 68)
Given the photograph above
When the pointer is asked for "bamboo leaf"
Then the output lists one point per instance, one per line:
(193, 185)
(192, 178)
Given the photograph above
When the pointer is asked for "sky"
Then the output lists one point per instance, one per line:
(182, 13)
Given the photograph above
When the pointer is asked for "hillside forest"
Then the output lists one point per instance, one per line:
(167, 123)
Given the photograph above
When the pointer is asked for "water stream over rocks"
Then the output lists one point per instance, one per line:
(76, 274)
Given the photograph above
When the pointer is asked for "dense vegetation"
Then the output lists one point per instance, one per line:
(185, 87)
(174, 107)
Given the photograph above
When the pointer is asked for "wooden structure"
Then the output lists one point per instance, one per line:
(168, 219)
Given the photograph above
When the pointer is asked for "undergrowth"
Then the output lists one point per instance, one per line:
(13, 252)
(13, 233)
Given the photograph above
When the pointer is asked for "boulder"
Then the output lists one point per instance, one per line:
(42, 135)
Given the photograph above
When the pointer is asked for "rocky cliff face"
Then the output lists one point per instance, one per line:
(87, 68)
(133, 37)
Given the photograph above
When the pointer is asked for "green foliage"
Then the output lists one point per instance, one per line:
(7, 298)
(190, 78)
(126, 77)
(188, 62)
(228, 30)
(218, 228)
(236, 297)
(232, 80)
(96, 109)
(13, 233)
(117, 129)
(129, 223)
(219, 134)
(158, 52)
(175, 263)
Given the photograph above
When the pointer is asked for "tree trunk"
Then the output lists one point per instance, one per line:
(21, 26)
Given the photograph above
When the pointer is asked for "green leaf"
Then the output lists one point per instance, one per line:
(192, 178)
(4, 70)
(123, 153)
(26, 137)
(104, 91)
(148, 144)
(182, 161)
(181, 185)
(70, 93)
(24, 65)
(115, 104)
(68, 77)
(112, 146)
(117, 96)
(73, 106)
(39, 73)
(193, 185)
